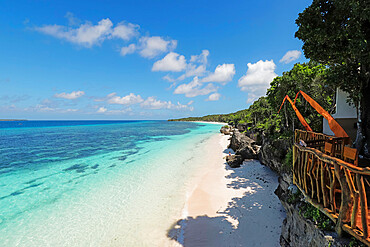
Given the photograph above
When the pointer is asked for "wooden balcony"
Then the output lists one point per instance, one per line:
(328, 174)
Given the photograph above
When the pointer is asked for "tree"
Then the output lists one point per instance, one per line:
(310, 78)
(337, 33)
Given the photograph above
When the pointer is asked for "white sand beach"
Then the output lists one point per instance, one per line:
(230, 207)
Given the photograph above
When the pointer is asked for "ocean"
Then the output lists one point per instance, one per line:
(95, 183)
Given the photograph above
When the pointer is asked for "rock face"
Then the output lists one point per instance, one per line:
(242, 127)
(234, 161)
(244, 146)
(296, 229)
(273, 152)
(226, 131)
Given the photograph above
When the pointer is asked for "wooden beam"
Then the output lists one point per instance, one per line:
(363, 204)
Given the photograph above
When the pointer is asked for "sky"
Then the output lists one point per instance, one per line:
(140, 59)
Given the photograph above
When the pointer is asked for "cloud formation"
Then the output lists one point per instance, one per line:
(151, 47)
(101, 110)
(290, 56)
(196, 67)
(132, 99)
(88, 34)
(194, 88)
(171, 62)
(128, 49)
(129, 99)
(72, 95)
(153, 103)
(257, 79)
(223, 74)
(214, 97)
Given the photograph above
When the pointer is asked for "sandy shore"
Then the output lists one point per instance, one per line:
(230, 207)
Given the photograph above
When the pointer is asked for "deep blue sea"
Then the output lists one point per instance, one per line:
(94, 183)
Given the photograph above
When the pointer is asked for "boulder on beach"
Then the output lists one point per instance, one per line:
(244, 146)
(234, 160)
(226, 130)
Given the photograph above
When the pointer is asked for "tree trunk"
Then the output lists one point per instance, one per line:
(362, 142)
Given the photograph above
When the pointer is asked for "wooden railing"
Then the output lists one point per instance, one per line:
(339, 189)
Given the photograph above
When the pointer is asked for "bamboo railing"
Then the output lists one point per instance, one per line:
(338, 188)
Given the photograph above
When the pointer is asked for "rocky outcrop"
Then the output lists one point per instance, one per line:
(244, 146)
(234, 161)
(242, 127)
(273, 152)
(226, 130)
(296, 229)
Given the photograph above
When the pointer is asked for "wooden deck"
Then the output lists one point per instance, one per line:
(338, 188)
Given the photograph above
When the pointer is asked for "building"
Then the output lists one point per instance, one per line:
(345, 115)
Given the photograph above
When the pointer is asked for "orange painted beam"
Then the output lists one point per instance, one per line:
(299, 115)
(334, 125)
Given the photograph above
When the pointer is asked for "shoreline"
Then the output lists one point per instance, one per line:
(229, 207)
(205, 122)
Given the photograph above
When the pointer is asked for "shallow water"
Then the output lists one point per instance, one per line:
(94, 183)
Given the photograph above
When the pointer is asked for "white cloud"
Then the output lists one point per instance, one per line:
(214, 97)
(128, 49)
(73, 95)
(153, 103)
(153, 46)
(86, 34)
(194, 88)
(202, 58)
(223, 74)
(168, 78)
(125, 31)
(101, 110)
(290, 56)
(171, 62)
(129, 99)
(258, 78)
(196, 67)
(72, 20)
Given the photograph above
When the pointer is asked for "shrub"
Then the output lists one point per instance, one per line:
(288, 161)
(321, 220)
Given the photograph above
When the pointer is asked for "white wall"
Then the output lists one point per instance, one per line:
(343, 110)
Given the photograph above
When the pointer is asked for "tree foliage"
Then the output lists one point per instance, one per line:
(337, 33)
(262, 116)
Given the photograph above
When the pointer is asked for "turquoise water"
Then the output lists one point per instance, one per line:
(94, 183)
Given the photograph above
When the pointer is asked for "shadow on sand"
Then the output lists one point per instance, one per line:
(252, 220)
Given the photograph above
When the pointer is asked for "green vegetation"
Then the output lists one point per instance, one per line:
(262, 116)
(355, 243)
(321, 220)
(337, 33)
(288, 161)
(294, 197)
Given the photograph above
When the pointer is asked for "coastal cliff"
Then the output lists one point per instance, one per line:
(304, 225)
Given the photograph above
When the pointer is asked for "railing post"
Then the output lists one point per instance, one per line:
(346, 202)
(363, 203)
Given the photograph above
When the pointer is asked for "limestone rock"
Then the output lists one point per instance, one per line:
(273, 152)
(234, 161)
(297, 231)
(244, 146)
(226, 130)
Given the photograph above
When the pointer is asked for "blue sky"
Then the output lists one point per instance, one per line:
(141, 59)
